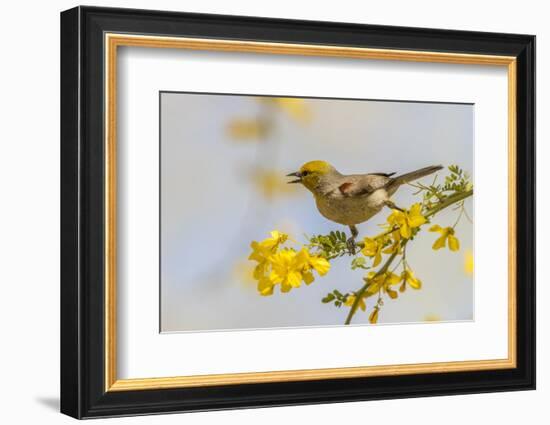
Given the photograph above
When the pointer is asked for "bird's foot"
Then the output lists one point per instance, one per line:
(352, 246)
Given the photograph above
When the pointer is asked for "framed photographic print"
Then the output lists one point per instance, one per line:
(261, 212)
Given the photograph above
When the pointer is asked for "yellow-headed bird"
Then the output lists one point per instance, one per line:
(355, 198)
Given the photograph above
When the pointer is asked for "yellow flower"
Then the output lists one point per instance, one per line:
(319, 264)
(286, 267)
(408, 277)
(407, 220)
(447, 237)
(351, 299)
(373, 248)
(265, 286)
(289, 268)
(262, 251)
(286, 270)
(396, 245)
(381, 281)
(260, 254)
(373, 318)
(267, 246)
(393, 294)
(469, 262)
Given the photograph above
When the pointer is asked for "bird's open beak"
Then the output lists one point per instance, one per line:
(296, 174)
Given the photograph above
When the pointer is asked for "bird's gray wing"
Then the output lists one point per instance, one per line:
(359, 185)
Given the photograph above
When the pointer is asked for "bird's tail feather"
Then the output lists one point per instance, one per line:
(414, 175)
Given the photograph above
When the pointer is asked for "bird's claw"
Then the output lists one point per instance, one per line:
(352, 246)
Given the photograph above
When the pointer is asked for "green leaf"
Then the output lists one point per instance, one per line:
(358, 262)
(328, 298)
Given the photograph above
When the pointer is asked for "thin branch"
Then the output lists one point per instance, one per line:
(361, 291)
(449, 201)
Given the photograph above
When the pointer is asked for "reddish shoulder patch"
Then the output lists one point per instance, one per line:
(345, 188)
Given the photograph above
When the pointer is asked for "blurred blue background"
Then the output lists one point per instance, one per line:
(223, 162)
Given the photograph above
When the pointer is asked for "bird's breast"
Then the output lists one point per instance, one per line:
(351, 210)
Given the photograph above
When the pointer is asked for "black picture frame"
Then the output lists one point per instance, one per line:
(83, 392)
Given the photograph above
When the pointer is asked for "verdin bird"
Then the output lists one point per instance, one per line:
(352, 199)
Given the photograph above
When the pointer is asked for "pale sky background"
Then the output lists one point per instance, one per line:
(212, 208)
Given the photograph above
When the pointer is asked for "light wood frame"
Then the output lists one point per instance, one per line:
(114, 41)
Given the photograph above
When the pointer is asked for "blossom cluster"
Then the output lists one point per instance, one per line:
(285, 267)
(400, 227)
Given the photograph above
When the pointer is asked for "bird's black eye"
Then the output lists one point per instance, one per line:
(305, 173)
